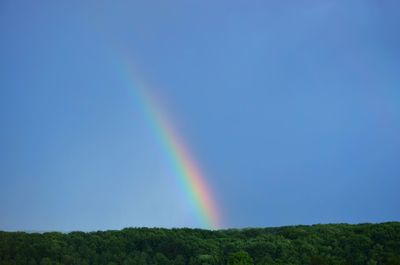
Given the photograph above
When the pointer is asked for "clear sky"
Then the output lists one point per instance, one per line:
(291, 109)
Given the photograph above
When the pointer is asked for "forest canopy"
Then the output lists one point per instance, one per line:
(331, 244)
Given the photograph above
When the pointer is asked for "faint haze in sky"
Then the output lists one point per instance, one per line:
(292, 109)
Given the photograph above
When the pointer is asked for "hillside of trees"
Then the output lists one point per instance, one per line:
(362, 244)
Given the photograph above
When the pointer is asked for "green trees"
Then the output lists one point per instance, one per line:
(46, 261)
(364, 244)
(318, 260)
(394, 259)
(240, 258)
(160, 259)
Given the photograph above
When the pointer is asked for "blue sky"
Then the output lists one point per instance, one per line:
(292, 109)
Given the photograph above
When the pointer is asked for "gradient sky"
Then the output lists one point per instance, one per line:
(292, 109)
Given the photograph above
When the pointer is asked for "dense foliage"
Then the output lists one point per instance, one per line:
(364, 244)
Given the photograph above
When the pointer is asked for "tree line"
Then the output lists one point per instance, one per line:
(331, 244)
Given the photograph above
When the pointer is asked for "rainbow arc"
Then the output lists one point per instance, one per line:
(185, 169)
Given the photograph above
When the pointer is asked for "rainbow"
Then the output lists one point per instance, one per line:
(185, 169)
